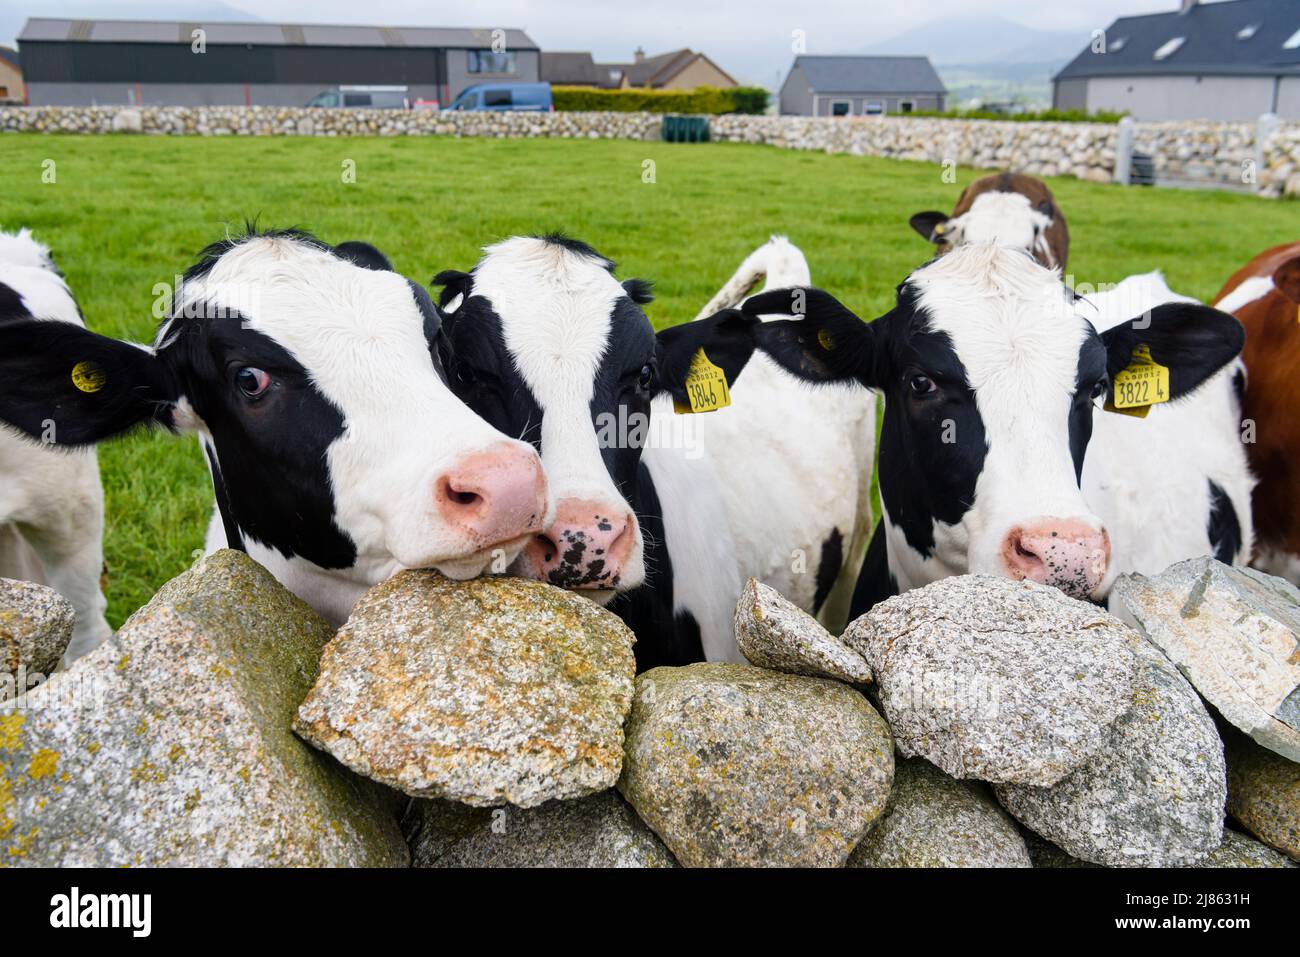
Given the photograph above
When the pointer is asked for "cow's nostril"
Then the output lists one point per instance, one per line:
(460, 497)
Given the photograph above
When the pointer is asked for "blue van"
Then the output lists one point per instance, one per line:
(499, 97)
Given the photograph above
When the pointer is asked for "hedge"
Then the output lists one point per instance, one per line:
(1047, 116)
(702, 99)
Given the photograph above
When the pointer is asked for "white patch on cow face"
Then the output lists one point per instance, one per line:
(24, 249)
(555, 306)
(1250, 290)
(1005, 219)
(1018, 335)
(360, 335)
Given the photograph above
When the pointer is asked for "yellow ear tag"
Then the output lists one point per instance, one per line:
(88, 377)
(1142, 384)
(706, 387)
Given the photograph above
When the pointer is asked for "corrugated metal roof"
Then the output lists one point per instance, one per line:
(870, 74)
(1242, 37)
(38, 29)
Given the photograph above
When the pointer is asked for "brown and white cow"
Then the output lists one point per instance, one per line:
(1265, 296)
(1009, 209)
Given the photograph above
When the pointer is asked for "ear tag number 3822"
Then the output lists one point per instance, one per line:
(706, 387)
(1142, 384)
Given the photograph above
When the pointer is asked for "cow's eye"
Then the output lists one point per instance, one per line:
(252, 382)
(922, 385)
(646, 378)
(1099, 389)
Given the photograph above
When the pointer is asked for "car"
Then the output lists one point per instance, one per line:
(364, 97)
(499, 97)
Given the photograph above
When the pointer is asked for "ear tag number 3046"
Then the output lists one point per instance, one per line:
(1142, 384)
(706, 387)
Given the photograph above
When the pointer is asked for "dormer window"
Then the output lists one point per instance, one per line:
(1292, 43)
(1118, 44)
(1170, 48)
(1248, 31)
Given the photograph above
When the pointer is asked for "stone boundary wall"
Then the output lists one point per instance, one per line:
(1224, 154)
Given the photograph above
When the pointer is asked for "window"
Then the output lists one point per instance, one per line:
(487, 61)
(497, 98)
(841, 108)
(1170, 48)
(874, 108)
(906, 106)
(1248, 31)
(356, 99)
(1118, 44)
(1292, 43)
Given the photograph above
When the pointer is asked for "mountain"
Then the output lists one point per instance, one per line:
(978, 40)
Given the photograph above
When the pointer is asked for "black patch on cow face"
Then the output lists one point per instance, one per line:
(481, 372)
(270, 449)
(1090, 386)
(12, 305)
(1239, 387)
(932, 443)
(624, 386)
(875, 582)
(1224, 528)
(828, 567)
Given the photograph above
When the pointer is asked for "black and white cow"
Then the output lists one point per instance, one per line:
(51, 501)
(547, 345)
(991, 459)
(311, 376)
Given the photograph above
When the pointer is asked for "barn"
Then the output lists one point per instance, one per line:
(173, 63)
(1229, 61)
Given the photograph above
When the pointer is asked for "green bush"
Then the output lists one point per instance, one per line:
(702, 99)
(1049, 116)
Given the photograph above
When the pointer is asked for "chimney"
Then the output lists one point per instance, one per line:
(638, 56)
(1186, 7)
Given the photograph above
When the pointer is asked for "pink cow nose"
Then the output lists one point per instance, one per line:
(493, 496)
(586, 547)
(1066, 554)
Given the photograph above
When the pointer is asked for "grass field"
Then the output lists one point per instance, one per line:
(127, 213)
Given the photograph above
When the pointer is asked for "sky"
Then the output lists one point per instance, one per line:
(750, 38)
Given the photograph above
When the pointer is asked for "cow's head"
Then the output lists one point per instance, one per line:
(1005, 218)
(312, 377)
(991, 375)
(547, 345)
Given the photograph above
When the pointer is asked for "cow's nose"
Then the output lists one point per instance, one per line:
(494, 496)
(586, 547)
(1066, 554)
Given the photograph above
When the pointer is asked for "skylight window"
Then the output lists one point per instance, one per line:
(1293, 42)
(1118, 43)
(1248, 31)
(1172, 47)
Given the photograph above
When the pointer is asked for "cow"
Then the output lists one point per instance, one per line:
(312, 378)
(546, 344)
(1265, 296)
(991, 459)
(1007, 208)
(51, 501)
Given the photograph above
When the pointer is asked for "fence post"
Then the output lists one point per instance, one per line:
(1124, 151)
(1265, 127)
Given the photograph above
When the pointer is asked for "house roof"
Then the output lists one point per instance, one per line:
(10, 55)
(870, 74)
(657, 70)
(578, 68)
(1241, 37)
(42, 29)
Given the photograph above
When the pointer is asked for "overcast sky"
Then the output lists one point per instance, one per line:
(750, 38)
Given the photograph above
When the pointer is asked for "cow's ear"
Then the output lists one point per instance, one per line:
(826, 343)
(455, 287)
(1046, 208)
(1192, 341)
(364, 255)
(726, 338)
(930, 225)
(1286, 279)
(65, 385)
(639, 291)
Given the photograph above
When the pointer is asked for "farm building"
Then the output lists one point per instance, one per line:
(11, 76)
(678, 70)
(861, 86)
(1211, 61)
(106, 62)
